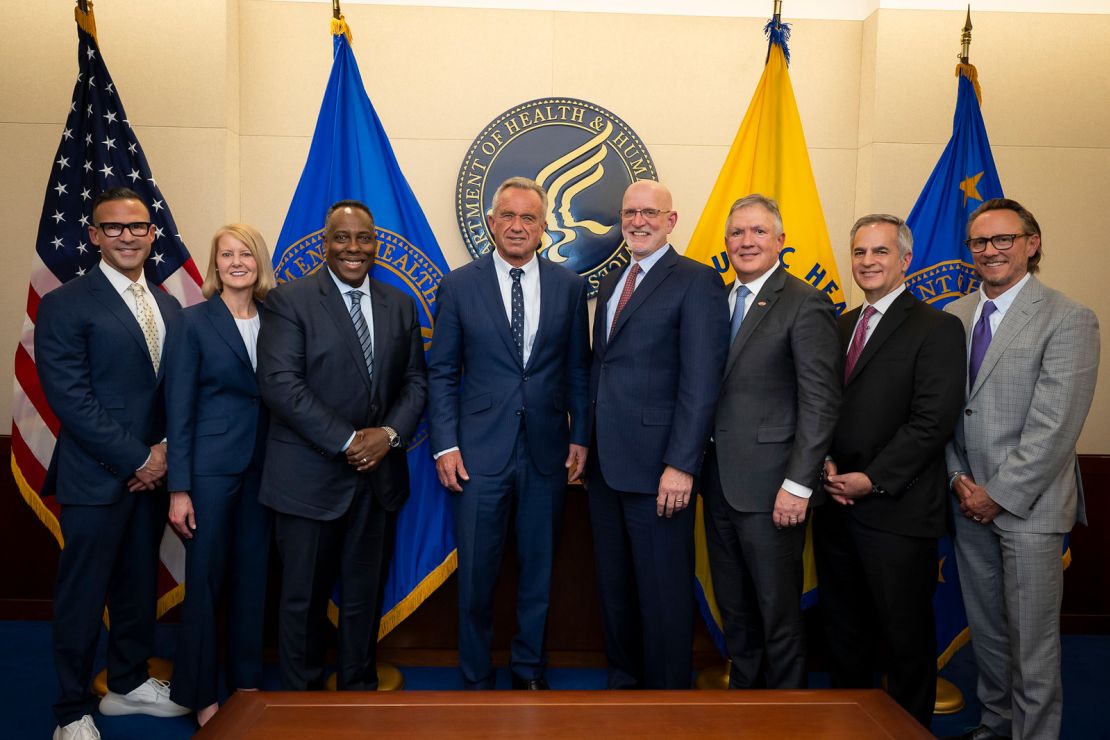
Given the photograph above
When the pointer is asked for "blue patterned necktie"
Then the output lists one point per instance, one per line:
(516, 323)
(362, 330)
(742, 294)
(980, 340)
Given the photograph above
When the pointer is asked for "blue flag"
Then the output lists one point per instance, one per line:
(942, 270)
(350, 157)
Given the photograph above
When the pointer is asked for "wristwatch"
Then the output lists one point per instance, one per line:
(394, 437)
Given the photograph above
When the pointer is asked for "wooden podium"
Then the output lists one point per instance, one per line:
(846, 715)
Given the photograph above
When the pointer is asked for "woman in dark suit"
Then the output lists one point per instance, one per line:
(216, 432)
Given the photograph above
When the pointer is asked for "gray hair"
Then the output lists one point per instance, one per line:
(755, 199)
(905, 236)
(521, 183)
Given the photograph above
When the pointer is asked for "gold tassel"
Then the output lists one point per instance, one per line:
(969, 71)
(339, 26)
(86, 21)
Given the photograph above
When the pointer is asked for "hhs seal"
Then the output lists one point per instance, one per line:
(582, 155)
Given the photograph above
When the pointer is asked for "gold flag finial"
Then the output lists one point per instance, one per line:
(965, 39)
(335, 13)
(777, 14)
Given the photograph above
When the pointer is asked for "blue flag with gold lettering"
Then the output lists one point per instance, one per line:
(350, 157)
(942, 270)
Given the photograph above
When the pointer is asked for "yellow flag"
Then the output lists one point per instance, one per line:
(769, 156)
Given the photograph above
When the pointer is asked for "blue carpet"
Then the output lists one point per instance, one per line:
(28, 687)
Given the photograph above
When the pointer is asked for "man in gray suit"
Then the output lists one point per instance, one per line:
(774, 422)
(1032, 364)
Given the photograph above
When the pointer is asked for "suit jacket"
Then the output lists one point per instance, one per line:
(478, 389)
(899, 408)
(1022, 417)
(779, 398)
(313, 377)
(99, 380)
(654, 382)
(215, 418)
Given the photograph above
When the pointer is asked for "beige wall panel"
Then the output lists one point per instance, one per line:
(269, 167)
(38, 61)
(834, 170)
(429, 73)
(190, 166)
(868, 79)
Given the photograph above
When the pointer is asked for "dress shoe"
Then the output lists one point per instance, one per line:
(982, 732)
(82, 729)
(150, 697)
(530, 684)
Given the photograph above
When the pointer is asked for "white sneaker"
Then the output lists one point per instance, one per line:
(151, 697)
(82, 729)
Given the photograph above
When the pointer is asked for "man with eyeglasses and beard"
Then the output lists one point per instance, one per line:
(98, 347)
(1033, 359)
(660, 338)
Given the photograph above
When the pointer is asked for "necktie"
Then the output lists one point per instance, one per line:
(516, 324)
(626, 293)
(361, 329)
(147, 323)
(980, 340)
(742, 294)
(859, 338)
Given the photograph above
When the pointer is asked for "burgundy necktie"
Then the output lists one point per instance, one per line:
(626, 293)
(855, 349)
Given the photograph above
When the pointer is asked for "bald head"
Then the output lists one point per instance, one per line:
(647, 217)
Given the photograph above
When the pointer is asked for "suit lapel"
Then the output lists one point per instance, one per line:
(383, 319)
(223, 323)
(106, 294)
(894, 317)
(547, 297)
(490, 291)
(762, 304)
(648, 283)
(1024, 307)
(601, 310)
(334, 304)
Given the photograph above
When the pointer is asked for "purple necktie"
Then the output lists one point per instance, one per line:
(859, 338)
(980, 341)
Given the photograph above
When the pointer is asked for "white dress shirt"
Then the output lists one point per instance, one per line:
(367, 314)
(881, 306)
(122, 284)
(530, 285)
(1001, 304)
(645, 264)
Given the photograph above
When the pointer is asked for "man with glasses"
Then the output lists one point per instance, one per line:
(660, 338)
(774, 421)
(1033, 359)
(98, 350)
(508, 373)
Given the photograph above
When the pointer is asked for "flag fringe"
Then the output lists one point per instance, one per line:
(969, 71)
(35, 502)
(416, 596)
(85, 21)
(339, 27)
(957, 642)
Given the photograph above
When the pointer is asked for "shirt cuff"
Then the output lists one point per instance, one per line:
(441, 453)
(349, 440)
(797, 489)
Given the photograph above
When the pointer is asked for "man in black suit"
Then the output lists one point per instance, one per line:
(508, 371)
(876, 546)
(775, 417)
(660, 336)
(98, 346)
(341, 367)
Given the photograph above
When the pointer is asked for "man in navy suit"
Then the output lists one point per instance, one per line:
(341, 367)
(509, 362)
(660, 339)
(98, 347)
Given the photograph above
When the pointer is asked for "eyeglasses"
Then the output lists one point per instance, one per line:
(137, 228)
(1001, 242)
(649, 213)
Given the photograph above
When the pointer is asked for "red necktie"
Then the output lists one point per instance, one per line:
(626, 293)
(855, 349)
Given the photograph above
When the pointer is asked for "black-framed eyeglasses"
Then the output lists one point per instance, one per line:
(137, 228)
(1001, 242)
(648, 213)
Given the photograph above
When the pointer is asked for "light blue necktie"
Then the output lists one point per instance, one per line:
(742, 294)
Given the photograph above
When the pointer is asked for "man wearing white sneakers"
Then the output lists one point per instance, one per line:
(98, 345)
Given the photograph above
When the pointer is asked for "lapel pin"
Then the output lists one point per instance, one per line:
(761, 303)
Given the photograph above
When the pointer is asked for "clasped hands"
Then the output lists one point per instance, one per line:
(975, 503)
(368, 448)
(150, 475)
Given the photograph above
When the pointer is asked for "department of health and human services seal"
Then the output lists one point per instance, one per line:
(582, 155)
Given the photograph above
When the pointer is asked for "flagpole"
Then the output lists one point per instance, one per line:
(335, 13)
(950, 699)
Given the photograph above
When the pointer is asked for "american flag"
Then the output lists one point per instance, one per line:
(98, 150)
